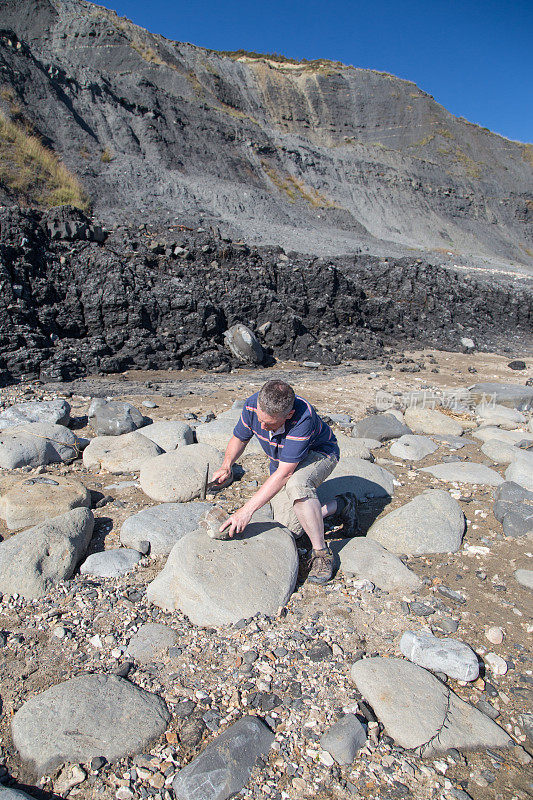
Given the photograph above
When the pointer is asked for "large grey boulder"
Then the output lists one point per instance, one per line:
(13, 794)
(243, 344)
(506, 394)
(36, 444)
(169, 434)
(508, 496)
(114, 418)
(54, 412)
(225, 766)
(427, 420)
(520, 470)
(35, 560)
(40, 497)
(496, 414)
(419, 712)
(118, 454)
(181, 475)
(219, 582)
(111, 563)
(412, 447)
(152, 640)
(354, 448)
(381, 427)
(344, 739)
(464, 472)
(85, 717)
(432, 522)
(219, 431)
(162, 525)
(366, 480)
(456, 659)
(365, 558)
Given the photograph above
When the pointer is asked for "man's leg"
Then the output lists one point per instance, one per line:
(310, 515)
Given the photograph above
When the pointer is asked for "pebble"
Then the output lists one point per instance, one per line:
(496, 664)
(494, 635)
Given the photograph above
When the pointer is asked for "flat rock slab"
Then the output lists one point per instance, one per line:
(366, 480)
(500, 452)
(151, 641)
(219, 582)
(38, 498)
(180, 476)
(511, 395)
(219, 431)
(524, 577)
(344, 739)
(114, 418)
(381, 427)
(495, 414)
(162, 525)
(520, 471)
(225, 766)
(427, 420)
(456, 659)
(55, 412)
(84, 717)
(421, 713)
(511, 437)
(452, 442)
(36, 444)
(412, 447)
(353, 447)
(119, 454)
(365, 558)
(465, 472)
(169, 434)
(35, 560)
(432, 522)
(111, 563)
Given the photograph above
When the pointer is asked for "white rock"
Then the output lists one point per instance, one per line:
(500, 452)
(524, 577)
(496, 664)
(520, 471)
(110, 563)
(511, 437)
(494, 635)
(496, 414)
(456, 659)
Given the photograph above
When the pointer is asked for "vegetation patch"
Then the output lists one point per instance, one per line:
(296, 189)
(32, 173)
(527, 153)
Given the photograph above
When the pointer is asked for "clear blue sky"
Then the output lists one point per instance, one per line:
(475, 57)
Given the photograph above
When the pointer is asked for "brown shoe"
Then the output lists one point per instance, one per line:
(321, 564)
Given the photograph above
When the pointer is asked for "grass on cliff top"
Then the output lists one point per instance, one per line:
(32, 173)
(316, 64)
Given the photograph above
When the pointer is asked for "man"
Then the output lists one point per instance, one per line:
(303, 451)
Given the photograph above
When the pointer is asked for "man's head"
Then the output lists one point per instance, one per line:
(275, 405)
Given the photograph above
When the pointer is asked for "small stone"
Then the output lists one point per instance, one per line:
(151, 641)
(496, 664)
(524, 577)
(344, 739)
(494, 635)
(212, 521)
(420, 609)
(320, 651)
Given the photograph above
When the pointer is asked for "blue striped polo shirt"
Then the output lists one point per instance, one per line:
(303, 432)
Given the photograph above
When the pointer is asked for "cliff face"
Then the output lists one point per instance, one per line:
(318, 157)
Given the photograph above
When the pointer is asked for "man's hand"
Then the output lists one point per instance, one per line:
(237, 522)
(222, 475)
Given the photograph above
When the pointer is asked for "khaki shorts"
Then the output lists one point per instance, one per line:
(309, 474)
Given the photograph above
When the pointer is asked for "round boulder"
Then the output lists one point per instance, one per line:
(427, 420)
(412, 447)
(219, 582)
(39, 498)
(114, 418)
(181, 475)
(118, 454)
(243, 344)
(36, 444)
(431, 523)
(84, 717)
(111, 563)
(169, 434)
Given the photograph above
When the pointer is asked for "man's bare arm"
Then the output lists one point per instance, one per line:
(234, 449)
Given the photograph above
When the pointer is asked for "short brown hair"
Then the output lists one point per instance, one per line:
(276, 398)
